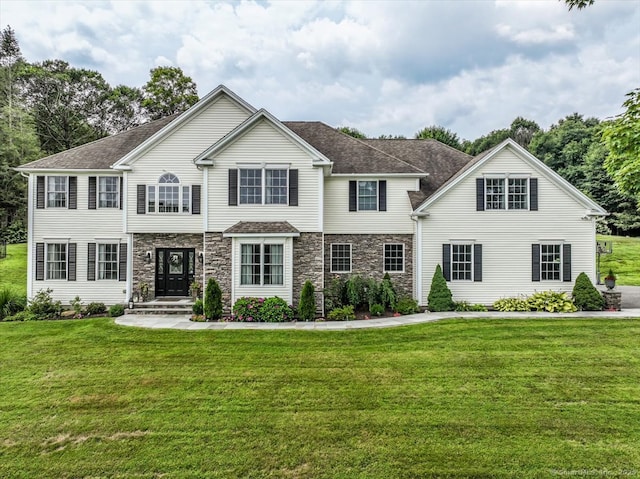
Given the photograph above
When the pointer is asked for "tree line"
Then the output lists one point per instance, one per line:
(50, 106)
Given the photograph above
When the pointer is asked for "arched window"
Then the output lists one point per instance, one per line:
(172, 198)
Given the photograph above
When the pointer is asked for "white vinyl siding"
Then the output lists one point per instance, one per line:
(80, 226)
(396, 219)
(263, 144)
(175, 153)
(506, 242)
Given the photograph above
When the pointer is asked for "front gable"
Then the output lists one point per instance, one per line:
(510, 161)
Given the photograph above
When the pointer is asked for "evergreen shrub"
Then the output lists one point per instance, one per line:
(307, 305)
(440, 297)
(213, 301)
(585, 295)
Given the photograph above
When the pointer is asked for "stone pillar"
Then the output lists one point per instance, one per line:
(612, 300)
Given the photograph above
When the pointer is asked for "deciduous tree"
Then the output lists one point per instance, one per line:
(168, 91)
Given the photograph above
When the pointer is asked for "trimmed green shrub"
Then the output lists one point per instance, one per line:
(407, 305)
(388, 296)
(552, 302)
(213, 300)
(307, 305)
(247, 309)
(346, 313)
(511, 304)
(356, 295)
(42, 306)
(275, 310)
(11, 302)
(76, 304)
(372, 292)
(198, 307)
(465, 306)
(376, 309)
(116, 310)
(440, 298)
(585, 295)
(95, 308)
(335, 296)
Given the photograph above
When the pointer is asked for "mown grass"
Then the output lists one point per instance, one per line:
(473, 398)
(13, 269)
(624, 260)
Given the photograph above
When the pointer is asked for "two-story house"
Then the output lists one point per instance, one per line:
(230, 192)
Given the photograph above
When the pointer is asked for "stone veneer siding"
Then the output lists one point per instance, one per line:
(217, 265)
(307, 265)
(367, 258)
(143, 242)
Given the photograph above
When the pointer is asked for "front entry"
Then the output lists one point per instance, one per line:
(175, 270)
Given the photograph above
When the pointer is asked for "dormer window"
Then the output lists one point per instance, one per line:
(172, 197)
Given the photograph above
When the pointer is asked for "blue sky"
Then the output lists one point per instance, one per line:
(382, 67)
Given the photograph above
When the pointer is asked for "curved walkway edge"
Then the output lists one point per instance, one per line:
(182, 321)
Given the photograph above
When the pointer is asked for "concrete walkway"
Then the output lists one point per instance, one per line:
(182, 321)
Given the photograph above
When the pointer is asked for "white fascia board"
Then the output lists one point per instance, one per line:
(177, 123)
(381, 175)
(533, 162)
(66, 171)
(206, 157)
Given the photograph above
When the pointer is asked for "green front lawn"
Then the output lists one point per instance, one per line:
(624, 260)
(458, 398)
(13, 268)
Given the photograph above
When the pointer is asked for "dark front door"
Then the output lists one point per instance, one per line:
(175, 270)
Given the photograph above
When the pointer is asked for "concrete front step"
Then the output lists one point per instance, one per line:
(167, 305)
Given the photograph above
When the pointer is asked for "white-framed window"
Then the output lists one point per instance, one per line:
(510, 193)
(172, 197)
(261, 264)
(394, 258)
(57, 190)
(107, 261)
(461, 262)
(56, 262)
(341, 257)
(367, 195)
(108, 191)
(268, 186)
(550, 262)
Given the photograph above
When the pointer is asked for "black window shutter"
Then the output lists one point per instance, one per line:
(71, 263)
(121, 190)
(566, 262)
(293, 187)
(382, 195)
(195, 199)
(122, 262)
(142, 199)
(92, 192)
(477, 262)
(91, 261)
(535, 262)
(233, 187)
(533, 194)
(353, 196)
(39, 192)
(479, 194)
(39, 261)
(446, 261)
(73, 192)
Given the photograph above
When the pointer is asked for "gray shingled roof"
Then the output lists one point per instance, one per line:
(349, 155)
(261, 227)
(102, 153)
(440, 161)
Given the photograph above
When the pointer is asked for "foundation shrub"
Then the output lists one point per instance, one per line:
(440, 298)
(198, 307)
(376, 309)
(552, 302)
(356, 291)
(335, 295)
(465, 306)
(373, 291)
(585, 295)
(247, 309)
(116, 310)
(213, 300)
(95, 308)
(406, 305)
(42, 306)
(307, 304)
(345, 313)
(275, 310)
(388, 296)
